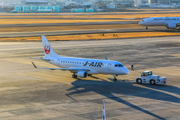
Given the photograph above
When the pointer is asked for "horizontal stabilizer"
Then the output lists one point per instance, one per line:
(41, 58)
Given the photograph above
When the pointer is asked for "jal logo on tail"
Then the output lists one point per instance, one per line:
(47, 49)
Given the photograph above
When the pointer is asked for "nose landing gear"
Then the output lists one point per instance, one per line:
(115, 79)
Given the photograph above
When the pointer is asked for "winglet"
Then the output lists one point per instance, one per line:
(34, 65)
(106, 57)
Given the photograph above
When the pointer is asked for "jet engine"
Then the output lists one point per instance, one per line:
(171, 26)
(82, 74)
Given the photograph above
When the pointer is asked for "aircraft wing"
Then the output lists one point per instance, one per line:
(69, 69)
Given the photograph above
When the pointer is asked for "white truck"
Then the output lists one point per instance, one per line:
(148, 78)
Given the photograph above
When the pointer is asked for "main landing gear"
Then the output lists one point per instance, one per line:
(115, 79)
(146, 27)
(74, 75)
(89, 74)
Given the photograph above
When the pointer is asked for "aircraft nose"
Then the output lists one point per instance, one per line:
(140, 23)
(125, 71)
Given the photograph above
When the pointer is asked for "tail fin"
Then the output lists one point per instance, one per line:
(48, 51)
(104, 111)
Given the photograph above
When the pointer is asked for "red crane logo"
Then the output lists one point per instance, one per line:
(47, 49)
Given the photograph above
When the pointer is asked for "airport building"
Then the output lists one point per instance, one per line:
(10, 1)
(175, 1)
(137, 2)
(35, 3)
(152, 1)
(165, 2)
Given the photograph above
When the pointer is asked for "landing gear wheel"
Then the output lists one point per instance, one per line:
(74, 76)
(89, 74)
(152, 82)
(115, 79)
(146, 27)
(139, 81)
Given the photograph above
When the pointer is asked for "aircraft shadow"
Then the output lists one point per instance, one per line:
(107, 89)
(166, 88)
(169, 30)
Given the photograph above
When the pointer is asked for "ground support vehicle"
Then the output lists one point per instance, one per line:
(148, 78)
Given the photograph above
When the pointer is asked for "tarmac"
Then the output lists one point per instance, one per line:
(27, 93)
(68, 24)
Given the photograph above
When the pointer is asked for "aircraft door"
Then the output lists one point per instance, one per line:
(59, 62)
(109, 67)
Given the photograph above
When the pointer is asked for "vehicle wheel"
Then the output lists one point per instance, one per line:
(146, 27)
(164, 82)
(139, 81)
(74, 76)
(115, 79)
(152, 82)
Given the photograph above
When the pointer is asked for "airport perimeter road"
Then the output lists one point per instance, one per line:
(27, 93)
(76, 32)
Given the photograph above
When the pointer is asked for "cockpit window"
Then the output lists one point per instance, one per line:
(118, 65)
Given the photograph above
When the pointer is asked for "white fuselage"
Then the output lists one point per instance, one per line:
(159, 21)
(94, 65)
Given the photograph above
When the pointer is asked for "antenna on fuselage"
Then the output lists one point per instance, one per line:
(104, 111)
(106, 57)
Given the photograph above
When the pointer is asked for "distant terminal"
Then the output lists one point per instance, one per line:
(46, 9)
(74, 6)
(28, 6)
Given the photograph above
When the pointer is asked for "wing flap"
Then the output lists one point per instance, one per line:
(64, 69)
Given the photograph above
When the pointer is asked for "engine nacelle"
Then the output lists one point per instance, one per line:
(82, 74)
(171, 25)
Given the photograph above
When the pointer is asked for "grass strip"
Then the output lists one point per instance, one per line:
(94, 36)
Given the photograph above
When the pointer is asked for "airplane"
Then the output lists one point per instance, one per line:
(81, 67)
(169, 22)
(104, 111)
